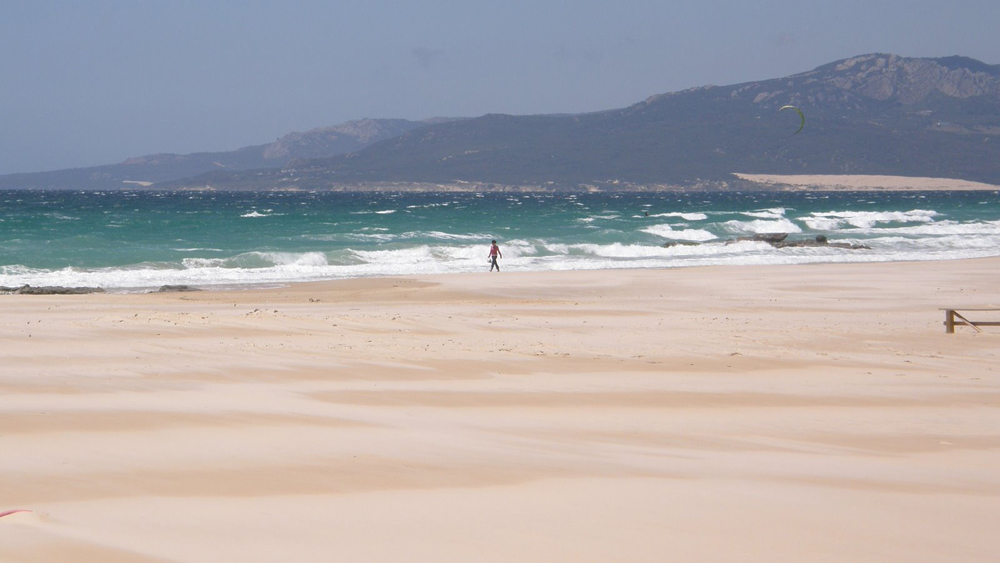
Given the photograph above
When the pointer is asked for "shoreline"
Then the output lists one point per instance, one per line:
(863, 182)
(284, 285)
(708, 413)
(757, 182)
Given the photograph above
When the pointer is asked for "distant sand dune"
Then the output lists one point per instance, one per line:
(865, 182)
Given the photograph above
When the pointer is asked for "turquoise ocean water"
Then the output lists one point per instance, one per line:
(134, 240)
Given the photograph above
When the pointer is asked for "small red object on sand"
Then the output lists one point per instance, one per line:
(9, 512)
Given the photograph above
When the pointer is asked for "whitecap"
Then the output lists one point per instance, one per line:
(772, 213)
(447, 236)
(761, 226)
(685, 216)
(834, 220)
(668, 232)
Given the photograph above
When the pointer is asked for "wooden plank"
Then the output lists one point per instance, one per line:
(950, 323)
(967, 321)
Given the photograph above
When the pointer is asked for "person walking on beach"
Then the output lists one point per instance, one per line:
(494, 254)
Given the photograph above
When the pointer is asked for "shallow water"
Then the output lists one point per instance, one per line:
(126, 240)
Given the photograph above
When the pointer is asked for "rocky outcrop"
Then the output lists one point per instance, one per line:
(176, 289)
(780, 240)
(345, 137)
(772, 238)
(912, 80)
(49, 290)
(820, 240)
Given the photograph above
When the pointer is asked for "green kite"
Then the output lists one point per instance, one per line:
(801, 116)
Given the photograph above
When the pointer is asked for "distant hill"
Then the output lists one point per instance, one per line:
(871, 114)
(156, 168)
(878, 114)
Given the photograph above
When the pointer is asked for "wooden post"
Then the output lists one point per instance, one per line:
(952, 317)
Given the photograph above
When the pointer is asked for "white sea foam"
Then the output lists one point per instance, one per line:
(382, 212)
(618, 250)
(403, 255)
(772, 213)
(943, 228)
(251, 260)
(342, 247)
(761, 226)
(668, 232)
(295, 258)
(15, 270)
(685, 216)
(348, 237)
(823, 223)
(280, 267)
(447, 236)
(836, 220)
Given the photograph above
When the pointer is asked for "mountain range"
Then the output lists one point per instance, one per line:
(871, 114)
(165, 167)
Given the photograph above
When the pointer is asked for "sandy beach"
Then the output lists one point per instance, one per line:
(778, 413)
(865, 182)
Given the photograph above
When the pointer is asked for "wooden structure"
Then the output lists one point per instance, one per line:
(950, 316)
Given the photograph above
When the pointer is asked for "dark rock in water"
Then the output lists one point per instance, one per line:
(176, 288)
(769, 237)
(50, 290)
(820, 240)
(799, 243)
(778, 240)
(680, 243)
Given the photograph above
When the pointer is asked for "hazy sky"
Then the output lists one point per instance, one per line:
(95, 82)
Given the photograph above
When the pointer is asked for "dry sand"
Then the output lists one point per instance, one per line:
(799, 413)
(867, 182)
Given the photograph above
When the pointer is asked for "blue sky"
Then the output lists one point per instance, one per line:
(95, 82)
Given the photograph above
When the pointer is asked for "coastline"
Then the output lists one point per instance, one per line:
(104, 240)
(863, 182)
(783, 413)
(755, 182)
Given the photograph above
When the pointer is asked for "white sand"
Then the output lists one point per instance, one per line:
(801, 413)
(846, 182)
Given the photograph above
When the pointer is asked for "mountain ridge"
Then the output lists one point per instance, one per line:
(164, 167)
(877, 114)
